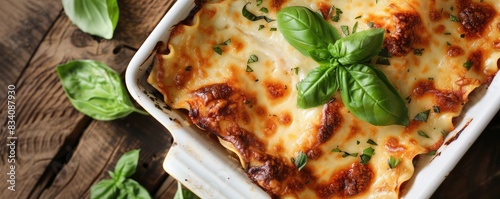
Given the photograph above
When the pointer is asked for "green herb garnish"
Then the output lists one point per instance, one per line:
(468, 65)
(423, 134)
(422, 116)
(95, 17)
(95, 89)
(370, 141)
(367, 155)
(250, 16)
(301, 160)
(454, 18)
(120, 185)
(343, 64)
(393, 162)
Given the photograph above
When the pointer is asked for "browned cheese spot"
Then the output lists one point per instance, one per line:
(448, 101)
(275, 90)
(349, 182)
(476, 58)
(277, 4)
(330, 120)
(475, 19)
(454, 51)
(392, 145)
(400, 41)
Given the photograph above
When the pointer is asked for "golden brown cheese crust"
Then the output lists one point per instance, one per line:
(255, 113)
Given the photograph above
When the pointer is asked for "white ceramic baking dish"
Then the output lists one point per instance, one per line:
(202, 165)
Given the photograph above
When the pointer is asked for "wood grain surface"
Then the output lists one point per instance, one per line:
(61, 153)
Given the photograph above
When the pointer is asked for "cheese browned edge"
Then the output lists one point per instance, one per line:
(254, 114)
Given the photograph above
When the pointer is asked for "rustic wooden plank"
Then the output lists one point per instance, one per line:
(24, 24)
(167, 189)
(46, 121)
(101, 146)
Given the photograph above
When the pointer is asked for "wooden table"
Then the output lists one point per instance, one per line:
(61, 153)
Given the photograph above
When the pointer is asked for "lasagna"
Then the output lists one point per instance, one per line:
(237, 78)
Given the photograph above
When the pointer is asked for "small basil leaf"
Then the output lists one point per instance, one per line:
(184, 193)
(95, 89)
(96, 17)
(321, 56)
(369, 98)
(305, 30)
(132, 189)
(301, 160)
(127, 164)
(358, 47)
(318, 87)
(104, 189)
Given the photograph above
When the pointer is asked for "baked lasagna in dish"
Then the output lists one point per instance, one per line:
(240, 75)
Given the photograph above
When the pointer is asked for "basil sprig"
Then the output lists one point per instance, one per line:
(96, 17)
(120, 185)
(344, 64)
(95, 90)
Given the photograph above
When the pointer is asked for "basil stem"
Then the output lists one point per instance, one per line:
(369, 98)
(305, 30)
(318, 87)
(95, 90)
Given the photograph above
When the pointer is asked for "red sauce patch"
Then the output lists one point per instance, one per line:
(314, 153)
(324, 9)
(349, 182)
(475, 19)
(454, 51)
(400, 41)
(434, 15)
(237, 44)
(270, 126)
(330, 120)
(275, 90)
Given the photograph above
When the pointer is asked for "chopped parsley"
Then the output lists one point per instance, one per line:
(355, 27)
(447, 33)
(296, 69)
(418, 52)
(345, 154)
(468, 65)
(358, 17)
(370, 141)
(422, 116)
(249, 69)
(264, 10)
(253, 58)
(250, 16)
(448, 44)
(423, 134)
(345, 29)
(338, 12)
(261, 27)
(454, 18)
(217, 48)
(367, 155)
(393, 162)
(300, 161)
(273, 29)
(259, 2)
(436, 109)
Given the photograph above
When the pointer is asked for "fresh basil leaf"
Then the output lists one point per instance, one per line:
(301, 160)
(96, 17)
(104, 189)
(184, 193)
(127, 164)
(321, 56)
(318, 87)
(358, 47)
(250, 16)
(369, 97)
(305, 30)
(133, 190)
(95, 89)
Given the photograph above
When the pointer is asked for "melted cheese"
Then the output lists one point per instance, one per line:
(255, 113)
